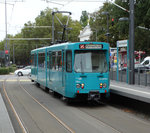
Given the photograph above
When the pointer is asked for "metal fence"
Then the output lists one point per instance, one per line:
(141, 77)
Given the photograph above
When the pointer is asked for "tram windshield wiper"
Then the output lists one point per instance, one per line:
(82, 70)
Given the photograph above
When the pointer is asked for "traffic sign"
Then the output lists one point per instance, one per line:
(122, 43)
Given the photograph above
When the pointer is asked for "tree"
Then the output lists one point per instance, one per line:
(24, 47)
(120, 30)
(84, 18)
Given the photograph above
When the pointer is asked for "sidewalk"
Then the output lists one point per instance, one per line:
(141, 93)
(5, 122)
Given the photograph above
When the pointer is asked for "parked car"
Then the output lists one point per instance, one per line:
(146, 62)
(137, 67)
(20, 66)
(24, 71)
(141, 68)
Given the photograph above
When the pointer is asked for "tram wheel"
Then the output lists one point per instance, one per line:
(69, 100)
(46, 90)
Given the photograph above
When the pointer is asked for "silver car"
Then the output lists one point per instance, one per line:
(24, 71)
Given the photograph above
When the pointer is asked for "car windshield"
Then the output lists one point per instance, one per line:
(90, 61)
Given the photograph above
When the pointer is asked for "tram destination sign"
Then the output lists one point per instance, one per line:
(91, 46)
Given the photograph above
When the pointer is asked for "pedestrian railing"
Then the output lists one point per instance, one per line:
(142, 77)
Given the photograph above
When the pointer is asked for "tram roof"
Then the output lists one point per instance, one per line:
(65, 44)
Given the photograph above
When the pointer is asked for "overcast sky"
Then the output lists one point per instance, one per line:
(22, 12)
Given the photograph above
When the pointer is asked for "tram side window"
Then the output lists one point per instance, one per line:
(53, 61)
(59, 61)
(32, 60)
(69, 61)
(35, 58)
(41, 60)
(48, 61)
(56, 61)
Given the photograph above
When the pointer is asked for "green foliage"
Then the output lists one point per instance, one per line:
(22, 48)
(120, 30)
(4, 70)
(13, 65)
(7, 70)
(12, 68)
(98, 22)
(2, 45)
(84, 18)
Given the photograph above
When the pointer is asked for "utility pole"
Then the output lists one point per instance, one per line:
(5, 48)
(131, 44)
(13, 53)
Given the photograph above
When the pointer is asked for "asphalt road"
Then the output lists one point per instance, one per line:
(41, 112)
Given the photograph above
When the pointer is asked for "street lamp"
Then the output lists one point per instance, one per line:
(107, 34)
(124, 19)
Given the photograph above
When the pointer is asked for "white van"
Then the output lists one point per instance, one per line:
(146, 61)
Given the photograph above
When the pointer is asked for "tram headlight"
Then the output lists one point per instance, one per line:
(78, 85)
(104, 85)
(101, 85)
(82, 86)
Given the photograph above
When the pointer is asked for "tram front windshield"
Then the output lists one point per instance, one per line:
(90, 61)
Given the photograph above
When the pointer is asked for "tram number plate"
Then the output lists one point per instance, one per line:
(93, 46)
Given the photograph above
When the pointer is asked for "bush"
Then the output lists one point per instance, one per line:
(12, 69)
(13, 65)
(4, 70)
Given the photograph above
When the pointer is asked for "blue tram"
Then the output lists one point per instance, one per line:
(74, 70)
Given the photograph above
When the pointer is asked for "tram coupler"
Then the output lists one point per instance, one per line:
(94, 96)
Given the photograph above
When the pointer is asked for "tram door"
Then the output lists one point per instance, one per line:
(63, 68)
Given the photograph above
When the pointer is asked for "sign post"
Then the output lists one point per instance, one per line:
(120, 44)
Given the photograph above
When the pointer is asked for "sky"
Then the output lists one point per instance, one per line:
(19, 13)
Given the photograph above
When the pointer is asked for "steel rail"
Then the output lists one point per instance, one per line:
(13, 109)
(52, 114)
(102, 122)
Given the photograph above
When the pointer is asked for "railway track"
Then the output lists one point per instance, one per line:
(80, 109)
(19, 120)
(68, 128)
